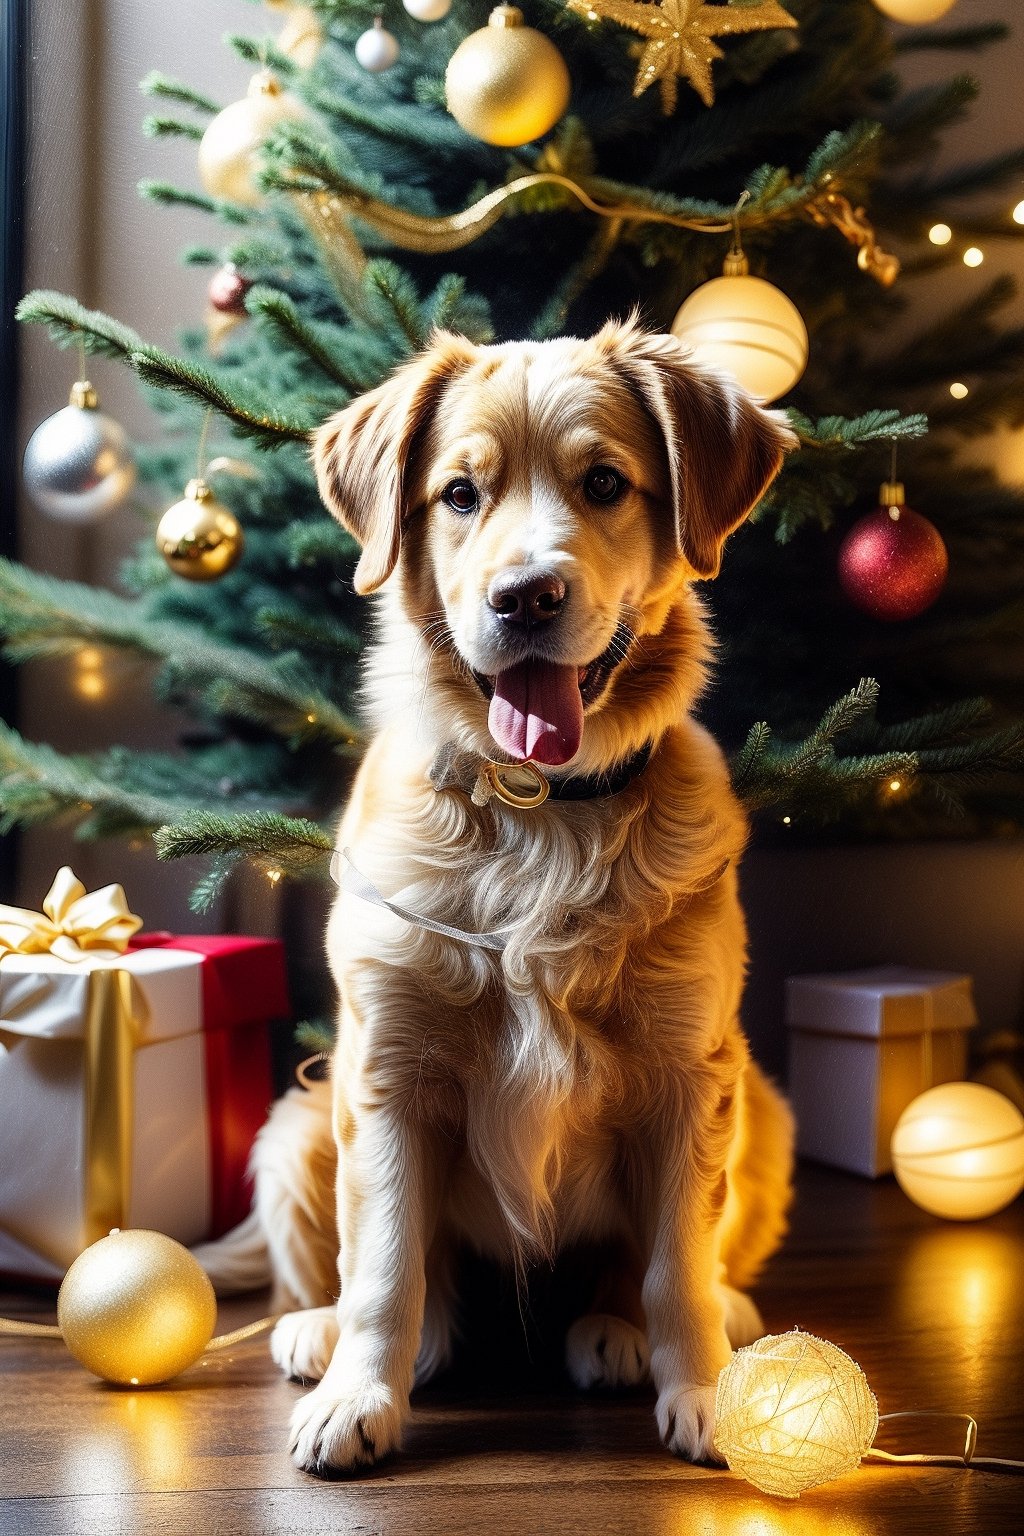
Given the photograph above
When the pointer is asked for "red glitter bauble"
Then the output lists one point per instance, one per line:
(893, 563)
(228, 289)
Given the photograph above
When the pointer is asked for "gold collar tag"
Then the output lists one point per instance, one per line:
(521, 785)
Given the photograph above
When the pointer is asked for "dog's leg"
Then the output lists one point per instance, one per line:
(681, 1162)
(389, 1194)
(607, 1346)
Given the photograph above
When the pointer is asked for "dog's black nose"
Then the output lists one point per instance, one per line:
(525, 596)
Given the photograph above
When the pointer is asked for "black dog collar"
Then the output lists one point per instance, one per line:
(523, 785)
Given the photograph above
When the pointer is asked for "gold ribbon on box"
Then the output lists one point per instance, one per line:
(76, 925)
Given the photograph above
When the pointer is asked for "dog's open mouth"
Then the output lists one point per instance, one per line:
(536, 705)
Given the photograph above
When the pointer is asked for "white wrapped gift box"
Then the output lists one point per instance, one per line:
(130, 1089)
(862, 1045)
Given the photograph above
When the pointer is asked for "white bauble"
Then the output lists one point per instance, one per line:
(78, 465)
(229, 150)
(376, 49)
(915, 13)
(749, 328)
(427, 10)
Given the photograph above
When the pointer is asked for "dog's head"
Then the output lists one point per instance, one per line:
(544, 504)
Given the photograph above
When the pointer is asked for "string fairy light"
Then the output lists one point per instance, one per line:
(793, 1411)
(940, 234)
(959, 391)
(973, 256)
(1018, 213)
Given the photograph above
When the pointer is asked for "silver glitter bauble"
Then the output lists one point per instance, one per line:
(78, 465)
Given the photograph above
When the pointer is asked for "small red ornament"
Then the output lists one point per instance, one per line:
(228, 289)
(893, 562)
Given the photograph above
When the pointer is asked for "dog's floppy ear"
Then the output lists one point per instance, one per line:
(723, 448)
(362, 454)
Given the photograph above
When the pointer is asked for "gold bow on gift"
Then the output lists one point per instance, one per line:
(74, 922)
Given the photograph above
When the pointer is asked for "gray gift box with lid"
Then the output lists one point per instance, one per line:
(862, 1045)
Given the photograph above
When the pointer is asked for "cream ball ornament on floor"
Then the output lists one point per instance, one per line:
(229, 149)
(376, 49)
(958, 1151)
(507, 83)
(78, 465)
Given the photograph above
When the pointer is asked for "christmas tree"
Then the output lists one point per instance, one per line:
(369, 214)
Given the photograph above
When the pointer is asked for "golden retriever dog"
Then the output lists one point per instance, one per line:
(538, 1038)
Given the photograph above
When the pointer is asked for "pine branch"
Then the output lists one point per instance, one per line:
(157, 84)
(311, 633)
(67, 322)
(180, 197)
(396, 300)
(951, 39)
(155, 126)
(250, 419)
(320, 543)
(263, 53)
(38, 784)
(44, 616)
(320, 343)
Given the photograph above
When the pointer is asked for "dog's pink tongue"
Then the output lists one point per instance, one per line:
(536, 711)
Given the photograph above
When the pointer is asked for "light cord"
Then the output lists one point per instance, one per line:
(15, 1328)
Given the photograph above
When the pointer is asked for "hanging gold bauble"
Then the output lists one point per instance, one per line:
(507, 83)
(136, 1308)
(747, 327)
(229, 150)
(198, 537)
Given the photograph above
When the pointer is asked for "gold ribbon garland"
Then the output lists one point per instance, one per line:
(328, 214)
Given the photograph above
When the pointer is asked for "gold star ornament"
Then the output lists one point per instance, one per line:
(680, 37)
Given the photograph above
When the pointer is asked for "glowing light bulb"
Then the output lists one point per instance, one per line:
(959, 391)
(1018, 213)
(274, 875)
(940, 234)
(787, 821)
(973, 256)
(895, 785)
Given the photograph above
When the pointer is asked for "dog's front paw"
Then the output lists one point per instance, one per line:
(686, 1422)
(606, 1351)
(335, 1429)
(302, 1343)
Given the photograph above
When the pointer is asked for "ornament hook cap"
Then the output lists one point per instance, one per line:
(84, 396)
(198, 490)
(505, 16)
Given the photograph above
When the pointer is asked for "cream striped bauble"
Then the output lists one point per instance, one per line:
(747, 327)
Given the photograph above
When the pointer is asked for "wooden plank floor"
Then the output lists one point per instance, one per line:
(931, 1310)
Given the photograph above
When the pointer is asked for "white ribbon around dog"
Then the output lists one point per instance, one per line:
(348, 878)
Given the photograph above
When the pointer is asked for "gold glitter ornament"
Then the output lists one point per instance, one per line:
(680, 36)
(229, 149)
(136, 1308)
(507, 83)
(198, 536)
(793, 1411)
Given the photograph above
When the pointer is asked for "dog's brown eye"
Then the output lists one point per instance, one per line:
(460, 496)
(604, 484)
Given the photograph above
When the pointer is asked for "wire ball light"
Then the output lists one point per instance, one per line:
(793, 1411)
